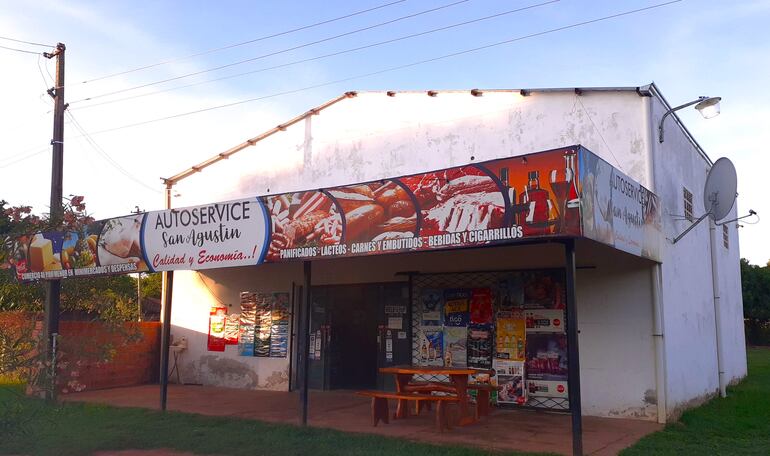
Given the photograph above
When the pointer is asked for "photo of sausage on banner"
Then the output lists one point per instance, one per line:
(377, 211)
(301, 224)
(457, 200)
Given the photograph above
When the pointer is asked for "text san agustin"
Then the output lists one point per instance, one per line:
(217, 214)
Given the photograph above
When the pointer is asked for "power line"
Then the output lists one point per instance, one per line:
(324, 56)
(26, 42)
(19, 50)
(230, 46)
(25, 157)
(400, 67)
(270, 54)
(105, 155)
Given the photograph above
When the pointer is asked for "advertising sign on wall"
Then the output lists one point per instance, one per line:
(562, 192)
(217, 322)
(509, 379)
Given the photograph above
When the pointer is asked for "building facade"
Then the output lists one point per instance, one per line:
(647, 324)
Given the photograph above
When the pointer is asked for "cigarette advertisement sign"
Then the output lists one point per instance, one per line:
(501, 201)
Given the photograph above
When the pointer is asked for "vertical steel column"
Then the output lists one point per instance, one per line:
(303, 341)
(165, 336)
(573, 382)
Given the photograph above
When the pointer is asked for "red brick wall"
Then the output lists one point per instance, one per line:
(134, 352)
(132, 362)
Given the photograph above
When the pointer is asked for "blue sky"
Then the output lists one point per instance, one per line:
(689, 48)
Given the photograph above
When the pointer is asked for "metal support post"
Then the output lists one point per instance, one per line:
(303, 341)
(165, 336)
(573, 357)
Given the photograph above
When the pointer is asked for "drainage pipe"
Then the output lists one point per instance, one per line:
(658, 341)
(717, 309)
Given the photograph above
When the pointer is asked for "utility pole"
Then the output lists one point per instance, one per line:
(53, 287)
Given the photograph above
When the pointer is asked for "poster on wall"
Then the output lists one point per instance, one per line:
(232, 329)
(509, 379)
(455, 346)
(432, 307)
(547, 388)
(279, 329)
(545, 320)
(547, 357)
(216, 338)
(247, 324)
(431, 347)
(510, 333)
(510, 293)
(481, 312)
(264, 323)
(543, 289)
(456, 307)
(480, 346)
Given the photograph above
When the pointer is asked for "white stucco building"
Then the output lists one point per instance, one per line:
(647, 327)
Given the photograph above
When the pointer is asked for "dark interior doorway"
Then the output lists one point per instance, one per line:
(350, 338)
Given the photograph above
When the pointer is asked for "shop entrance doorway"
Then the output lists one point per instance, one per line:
(354, 331)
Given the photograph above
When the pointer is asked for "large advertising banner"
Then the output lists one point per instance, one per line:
(618, 211)
(558, 193)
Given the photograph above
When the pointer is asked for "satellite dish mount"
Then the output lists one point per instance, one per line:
(719, 194)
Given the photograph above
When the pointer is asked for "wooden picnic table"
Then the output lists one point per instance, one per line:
(459, 386)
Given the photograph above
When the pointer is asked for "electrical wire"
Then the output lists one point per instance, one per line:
(324, 56)
(271, 54)
(26, 42)
(599, 132)
(25, 157)
(20, 50)
(399, 67)
(230, 46)
(105, 155)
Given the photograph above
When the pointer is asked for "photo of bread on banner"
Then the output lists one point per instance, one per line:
(376, 211)
(120, 243)
(304, 219)
(456, 200)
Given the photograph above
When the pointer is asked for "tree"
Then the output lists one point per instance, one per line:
(755, 283)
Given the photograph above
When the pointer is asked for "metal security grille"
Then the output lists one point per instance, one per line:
(687, 195)
(482, 279)
(726, 236)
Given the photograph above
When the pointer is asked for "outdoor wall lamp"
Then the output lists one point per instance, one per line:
(707, 106)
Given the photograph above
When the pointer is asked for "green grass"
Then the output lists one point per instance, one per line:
(738, 424)
(29, 426)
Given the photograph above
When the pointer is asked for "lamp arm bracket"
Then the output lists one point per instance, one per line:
(671, 111)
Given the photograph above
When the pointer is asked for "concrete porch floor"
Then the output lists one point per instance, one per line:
(522, 430)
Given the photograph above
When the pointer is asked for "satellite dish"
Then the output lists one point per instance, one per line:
(721, 189)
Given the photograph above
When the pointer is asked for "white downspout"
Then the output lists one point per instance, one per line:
(717, 308)
(657, 334)
(656, 277)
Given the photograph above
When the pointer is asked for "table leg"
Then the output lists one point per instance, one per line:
(461, 384)
(402, 410)
(482, 402)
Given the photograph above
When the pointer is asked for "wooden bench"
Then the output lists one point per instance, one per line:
(483, 391)
(380, 410)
